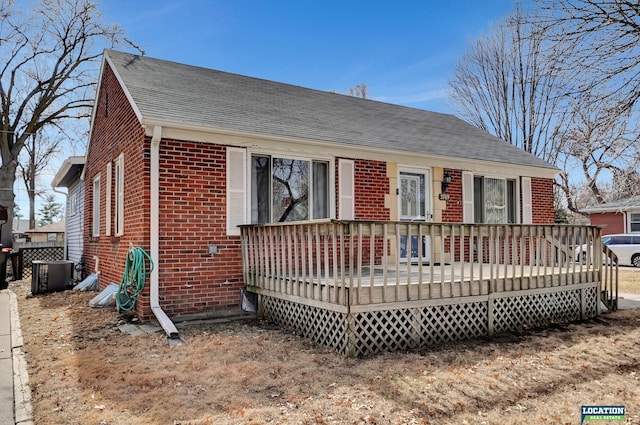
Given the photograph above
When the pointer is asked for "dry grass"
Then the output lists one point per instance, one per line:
(83, 370)
(629, 280)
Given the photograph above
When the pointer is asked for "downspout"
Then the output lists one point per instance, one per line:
(163, 319)
(66, 220)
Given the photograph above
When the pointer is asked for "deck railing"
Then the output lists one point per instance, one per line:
(369, 262)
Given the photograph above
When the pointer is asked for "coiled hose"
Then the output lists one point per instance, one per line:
(134, 278)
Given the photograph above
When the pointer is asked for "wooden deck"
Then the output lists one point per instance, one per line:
(346, 284)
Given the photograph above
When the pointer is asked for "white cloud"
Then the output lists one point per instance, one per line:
(413, 98)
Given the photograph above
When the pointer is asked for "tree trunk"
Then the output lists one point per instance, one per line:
(7, 197)
(32, 209)
(31, 184)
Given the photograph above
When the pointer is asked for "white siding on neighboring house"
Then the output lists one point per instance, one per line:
(75, 213)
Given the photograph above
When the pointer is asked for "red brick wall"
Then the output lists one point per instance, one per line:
(371, 186)
(193, 217)
(542, 201)
(116, 129)
(453, 212)
(611, 222)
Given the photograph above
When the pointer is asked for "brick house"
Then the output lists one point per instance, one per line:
(179, 156)
(621, 216)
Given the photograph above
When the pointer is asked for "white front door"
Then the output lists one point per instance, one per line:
(415, 205)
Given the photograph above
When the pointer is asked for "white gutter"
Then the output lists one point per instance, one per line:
(163, 319)
(348, 149)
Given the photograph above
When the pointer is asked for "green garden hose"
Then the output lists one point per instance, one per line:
(134, 278)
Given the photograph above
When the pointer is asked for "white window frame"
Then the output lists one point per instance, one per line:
(288, 155)
(631, 222)
(469, 199)
(73, 204)
(119, 194)
(96, 207)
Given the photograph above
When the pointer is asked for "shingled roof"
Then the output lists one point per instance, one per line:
(186, 95)
(614, 206)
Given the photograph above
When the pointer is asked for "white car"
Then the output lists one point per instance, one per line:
(626, 246)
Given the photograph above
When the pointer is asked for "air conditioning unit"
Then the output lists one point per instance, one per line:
(50, 276)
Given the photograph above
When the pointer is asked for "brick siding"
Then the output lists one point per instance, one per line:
(610, 222)
(371, 186)
(116, 129)
(453, 212)
(542, 201)
(192, 218)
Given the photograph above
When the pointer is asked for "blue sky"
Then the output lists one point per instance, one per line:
(404, 51)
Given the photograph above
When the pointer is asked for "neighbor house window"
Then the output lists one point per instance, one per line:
(119, 194)
(73, 204)
(494, 200)
(634, 222)
(52, 237)
(288, 189)
(96, 206)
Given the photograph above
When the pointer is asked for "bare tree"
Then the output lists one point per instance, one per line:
(47, 74)
(603, 139)
(510, 85)
(606, 39)
(39, 150)
(515, 83)
(360, 90)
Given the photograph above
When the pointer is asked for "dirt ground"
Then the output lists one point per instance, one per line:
(83, 370)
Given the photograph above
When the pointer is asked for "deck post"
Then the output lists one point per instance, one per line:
(350, 349)
(490, 318)
(260, 306)
(583, 304)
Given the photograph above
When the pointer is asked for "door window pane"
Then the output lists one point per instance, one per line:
(412, 195)
(409, 195)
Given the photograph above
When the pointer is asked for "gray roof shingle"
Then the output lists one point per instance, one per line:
(619, 205)
(190, 95)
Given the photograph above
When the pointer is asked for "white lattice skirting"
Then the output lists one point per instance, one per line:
(370, 329)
